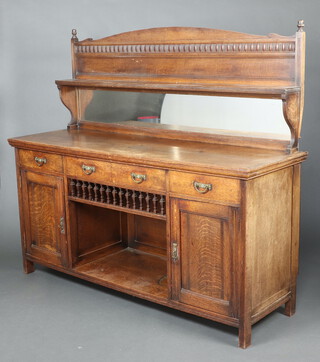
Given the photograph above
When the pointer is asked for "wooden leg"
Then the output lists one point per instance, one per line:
(290, 306)
(245, 334)
(28, 266)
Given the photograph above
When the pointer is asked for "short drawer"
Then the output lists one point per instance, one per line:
(205, 187)
(41, 161)
(139, 178)
(89, 170)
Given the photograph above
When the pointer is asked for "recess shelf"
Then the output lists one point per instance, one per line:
(130, 270)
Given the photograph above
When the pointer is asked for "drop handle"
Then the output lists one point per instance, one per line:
(88, 170)
(40, 161)
(138, 178)
(202, 188)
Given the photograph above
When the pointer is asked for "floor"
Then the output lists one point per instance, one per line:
(48, 316)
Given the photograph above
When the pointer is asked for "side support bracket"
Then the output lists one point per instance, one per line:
(76, 100)
(291, 105)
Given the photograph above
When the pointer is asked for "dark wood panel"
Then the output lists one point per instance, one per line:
(269, 236)
(44, 216)
(150, 235)
(213, 66)
(170, 52)
(203, 268)
(42, 213)
(201, 255)
(96, 228)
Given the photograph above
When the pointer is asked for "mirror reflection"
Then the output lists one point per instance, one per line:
(109, 107)
(221, 113)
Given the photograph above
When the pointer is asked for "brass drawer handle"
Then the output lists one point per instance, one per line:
(202, 188)
(88, 170)
(40, 161)
(138, 178)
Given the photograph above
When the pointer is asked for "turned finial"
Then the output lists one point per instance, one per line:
(74, 34)
(300, 25)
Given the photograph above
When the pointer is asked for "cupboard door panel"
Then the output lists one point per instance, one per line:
(44, 217)
(203, 270)
(201, 258)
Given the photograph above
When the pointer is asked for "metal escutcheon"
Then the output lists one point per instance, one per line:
(61, 225)
(174, 252)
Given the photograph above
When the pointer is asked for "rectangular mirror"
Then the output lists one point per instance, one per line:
(205, 113)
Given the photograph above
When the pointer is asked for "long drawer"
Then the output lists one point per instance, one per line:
(127, 176)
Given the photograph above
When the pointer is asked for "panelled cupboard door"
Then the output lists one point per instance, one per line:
(44, 215)
(202, 251)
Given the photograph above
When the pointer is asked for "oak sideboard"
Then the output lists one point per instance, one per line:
(203, 221)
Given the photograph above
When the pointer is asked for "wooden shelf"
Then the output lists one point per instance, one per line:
(118, 208)
(205, 86)
(130, 270)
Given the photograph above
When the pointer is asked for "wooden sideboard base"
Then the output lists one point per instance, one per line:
(122, 234)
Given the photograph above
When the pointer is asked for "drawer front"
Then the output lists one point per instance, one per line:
(139, 178)
(108, 173)
(41, 161)
(205, 187)
(89, 170)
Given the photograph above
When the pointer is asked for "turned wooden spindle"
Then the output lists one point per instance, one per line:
(114, 195)
(127, 194)
(121, 193)
(154, 202)
(162, 201)
(78, 187)
(134, 195)
(90, 195)
(84, 189)
(102, 194)
(148, 202)
(140, 200)
(108, 191)
(72, 187)
(95, 191)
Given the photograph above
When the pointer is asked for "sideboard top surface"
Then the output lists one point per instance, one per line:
(224, 160)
